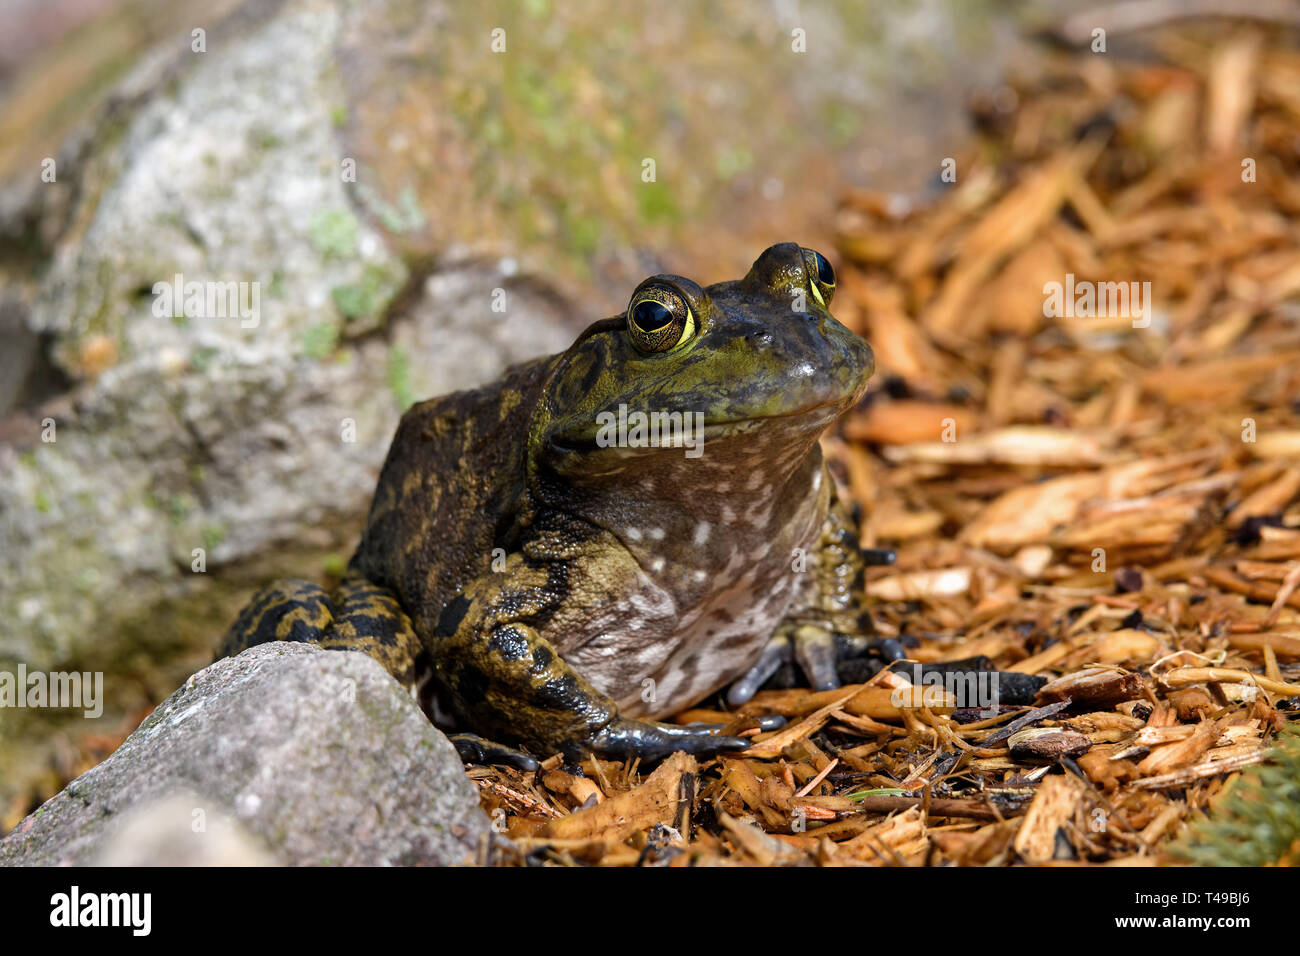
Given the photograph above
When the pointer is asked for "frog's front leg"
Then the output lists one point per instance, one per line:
(505, 680)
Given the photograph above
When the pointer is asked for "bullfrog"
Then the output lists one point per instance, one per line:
(606, 536)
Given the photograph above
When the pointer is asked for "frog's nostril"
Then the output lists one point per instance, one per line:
(760, 340)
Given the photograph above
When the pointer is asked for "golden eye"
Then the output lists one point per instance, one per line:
(659, 320)
(820, 275)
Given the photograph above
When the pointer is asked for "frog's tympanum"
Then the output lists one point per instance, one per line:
(612, 534)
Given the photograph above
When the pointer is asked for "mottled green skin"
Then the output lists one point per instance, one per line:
(562, 591)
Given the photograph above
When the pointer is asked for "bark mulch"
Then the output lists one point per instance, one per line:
(1093, 498)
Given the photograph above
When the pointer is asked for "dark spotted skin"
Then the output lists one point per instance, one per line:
(357, 616)
(562, 592)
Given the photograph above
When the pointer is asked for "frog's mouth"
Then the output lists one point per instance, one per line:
(634, 434)
(815, 418)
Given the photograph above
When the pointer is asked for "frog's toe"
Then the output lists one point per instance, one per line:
(851, 647)
(651, 740)
(890, 648)
(777, 652)
(814, 649)
(475, 749)
(765, 723)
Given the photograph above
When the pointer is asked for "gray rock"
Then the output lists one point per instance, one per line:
(197, 458)
(182, 829)
(318, 756)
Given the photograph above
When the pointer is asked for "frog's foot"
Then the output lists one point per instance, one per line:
(853, 646)
(861, 657)
(475, 749)
(812, 647)
(817, 651)
(650, 740)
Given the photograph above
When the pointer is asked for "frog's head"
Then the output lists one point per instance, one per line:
(759, 362)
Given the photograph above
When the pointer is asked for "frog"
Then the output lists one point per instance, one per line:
(569, 570)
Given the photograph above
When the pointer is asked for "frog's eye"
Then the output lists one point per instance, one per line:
(821, 276)
(659, 319)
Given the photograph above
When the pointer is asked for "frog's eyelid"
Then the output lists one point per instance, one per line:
(817, 293)
(690, 291)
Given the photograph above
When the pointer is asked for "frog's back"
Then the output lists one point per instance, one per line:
(449, 492)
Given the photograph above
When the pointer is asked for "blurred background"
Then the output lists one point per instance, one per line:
(379, 170)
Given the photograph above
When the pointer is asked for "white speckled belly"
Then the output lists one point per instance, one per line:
(656, 658)
(718, 643)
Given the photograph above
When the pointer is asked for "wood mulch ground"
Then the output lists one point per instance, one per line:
(1104, 500)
